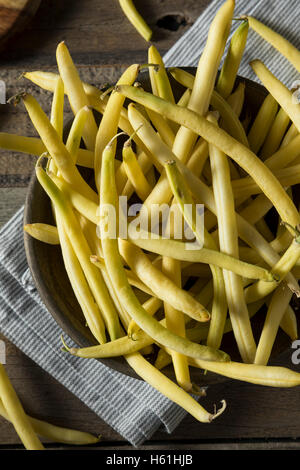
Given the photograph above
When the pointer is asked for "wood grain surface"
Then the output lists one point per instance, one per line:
(102, 44)
(14, 15)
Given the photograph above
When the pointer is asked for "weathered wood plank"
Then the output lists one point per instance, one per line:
(11, 199)
(98, 32)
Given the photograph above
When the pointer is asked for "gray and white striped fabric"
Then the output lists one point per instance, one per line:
(282, 16)
(131, 407)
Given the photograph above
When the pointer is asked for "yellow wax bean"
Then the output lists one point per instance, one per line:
(56, 148)
(57, 109)
(246, 186)
(160, 284)
(188, 209)
(125, 187)
(80, 285)
(202, 193)
(278, 305)
(271, 376)
(275, 134)
(289, 323)
(262, 123)
(236, 99)
(123, 345)
(280, 270)
(162, 84)
(75, 134)
(228, 240)
(82, 204)
(290, 135)
(110, 119)
(35, 146)
(277, 41)
(92, 236)
(168, 388)
(175, 322)
(75, 91)
(205, 77)
(232, 61)
(136, 19)
(178, 250)
(229, 117)
(132, 278)
(210, 58)
(285, 155)
(184, 99)
(162, 127)
(151, 75)
(134, 172)
(43, 232)
(198, 157)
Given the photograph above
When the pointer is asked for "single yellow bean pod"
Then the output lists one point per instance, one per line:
(43, 232)
(136, 19)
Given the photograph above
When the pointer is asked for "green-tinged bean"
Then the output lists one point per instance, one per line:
(83, 253)
(226, 79)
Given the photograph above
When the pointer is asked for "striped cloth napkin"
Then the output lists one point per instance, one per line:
(131, 407)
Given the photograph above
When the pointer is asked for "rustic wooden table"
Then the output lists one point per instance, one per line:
(102, 42)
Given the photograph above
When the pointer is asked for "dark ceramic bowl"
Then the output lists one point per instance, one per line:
(46, 264)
